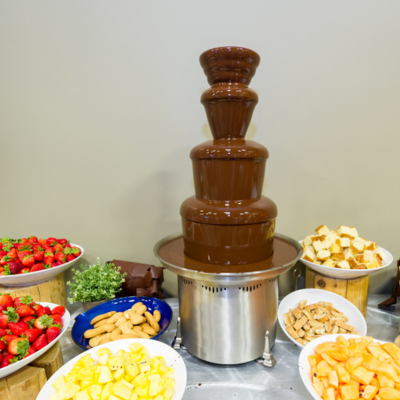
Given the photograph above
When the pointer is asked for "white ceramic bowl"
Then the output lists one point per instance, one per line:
(304, 366)
(155, 348)
(293, 299)
(348, 273)
(33, 278)
(18, 365)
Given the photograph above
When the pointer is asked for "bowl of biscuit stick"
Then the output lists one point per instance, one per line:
(123, 318)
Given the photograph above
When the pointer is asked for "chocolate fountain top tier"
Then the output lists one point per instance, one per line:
(229, 103)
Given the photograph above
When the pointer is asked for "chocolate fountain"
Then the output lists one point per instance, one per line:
(228, 257)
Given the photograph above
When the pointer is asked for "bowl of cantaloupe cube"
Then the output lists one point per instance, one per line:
(128, 369)
(350, 367)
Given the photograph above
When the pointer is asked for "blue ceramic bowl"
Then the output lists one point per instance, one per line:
(82, 321)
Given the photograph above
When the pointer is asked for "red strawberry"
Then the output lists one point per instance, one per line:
(3, 253)
(57, 319)
(23, 253)
(12, 253)
(39, 255)
(8, 316)
(7, 300)
(25, 311)
(33, 239)
(29, 320)
(40, 342)
(55, 264)
(23, 300)
(18, 346)
(7, 360)
(43, 311)
(28, 260)
(37, 247)
(5, 260)
(2, 333)
(15, 267)
(67, 245)
(53, 332)
(31, 350)
(60, 310)
(48, 260)
(3, 307)
(70, 258)
(37, 307)
(9, 338)
(32, 334)
(51, 241)
(76, 251)
(25, 271)
(43, 322)
(8, 331)
(37, 267)
(60, 257)
(58, 247)
(18, 328)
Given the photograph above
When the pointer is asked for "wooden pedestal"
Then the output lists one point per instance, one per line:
(27, 382)
(354, 290)
(52, 291)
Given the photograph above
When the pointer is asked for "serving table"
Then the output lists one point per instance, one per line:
(251, 380)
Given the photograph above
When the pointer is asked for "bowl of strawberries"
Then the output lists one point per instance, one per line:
(27, 330)
(29, 261)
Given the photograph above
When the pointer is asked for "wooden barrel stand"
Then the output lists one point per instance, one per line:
(28, 381)
(354, 290)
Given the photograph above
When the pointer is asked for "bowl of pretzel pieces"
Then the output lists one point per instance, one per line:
(124, 318)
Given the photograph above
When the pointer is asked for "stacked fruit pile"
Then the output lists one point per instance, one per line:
(26, 327)
(19, 256)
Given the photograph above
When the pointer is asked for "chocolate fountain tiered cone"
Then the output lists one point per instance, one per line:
(228, 221)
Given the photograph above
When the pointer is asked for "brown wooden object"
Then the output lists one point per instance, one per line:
(52, 291)
(354, 290)
(23, 384)
(51, 361)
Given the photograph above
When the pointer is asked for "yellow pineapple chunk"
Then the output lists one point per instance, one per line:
(107, 391)
(68, 390)
(59, 382)
(121, 390)
(82, 396)
(94, 391)
(105, 375)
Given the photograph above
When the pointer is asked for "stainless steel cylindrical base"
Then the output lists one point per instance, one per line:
(227, 325)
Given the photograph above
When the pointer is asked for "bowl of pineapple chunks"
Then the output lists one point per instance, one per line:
(128, 369)
(351, 367)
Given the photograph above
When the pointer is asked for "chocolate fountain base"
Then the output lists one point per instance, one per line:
(224, 316)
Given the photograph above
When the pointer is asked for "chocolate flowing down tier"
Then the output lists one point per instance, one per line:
(228, 221)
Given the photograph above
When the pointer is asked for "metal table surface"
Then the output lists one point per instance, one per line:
(251, 380)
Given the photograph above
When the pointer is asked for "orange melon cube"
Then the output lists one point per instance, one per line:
(319, 388)
(343, 375)
(353, 363)
(392, 350)
(350, 391)
(333, 379)
(329, 394)
(395, 366)
(362, 375)
(341, 341)
(337, 355)
(375, 382)
(325, 356)
(388, 393)
(313, 360)
(325, 381)
(369, 392)
(370, 362)
(322, 364)
(323, 347)
(387, 370)
(385, 382)
(377, 352)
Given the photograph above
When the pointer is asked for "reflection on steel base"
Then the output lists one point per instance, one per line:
(267, 359)
(177, 342)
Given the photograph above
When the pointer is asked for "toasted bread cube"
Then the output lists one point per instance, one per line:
(329, 263)
(303, 303)
(353, 231)
(307, 241)
(343, 264)
(323, 255)
(369, 245)
(309, 254)
(359, 246)
(372, 264)
(300, 323)
(322, 230)
(368, 255)
(345, 242)
(318, 246)
(344, 230)
(360, 259)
